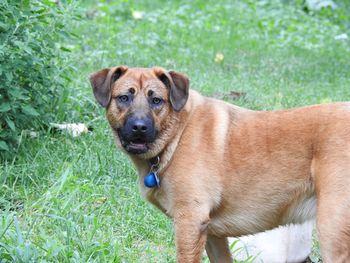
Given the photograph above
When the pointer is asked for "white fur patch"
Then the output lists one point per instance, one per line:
(290, 243)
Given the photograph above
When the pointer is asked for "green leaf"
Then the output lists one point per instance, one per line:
(27, 49)
(30, 110)
(17, 93)
(9, 75)
(49, 2)
(3, 27)
(25, 4)
(4, 146)
(65, 49)
(4, 107)
(11, 124)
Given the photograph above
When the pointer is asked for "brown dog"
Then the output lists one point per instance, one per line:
(228, 171)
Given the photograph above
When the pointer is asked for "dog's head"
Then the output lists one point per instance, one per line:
(140, 104)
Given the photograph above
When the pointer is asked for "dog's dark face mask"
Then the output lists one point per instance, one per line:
(140, 103)
(137, 133)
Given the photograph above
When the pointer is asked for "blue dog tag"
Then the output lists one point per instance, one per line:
(151, 180)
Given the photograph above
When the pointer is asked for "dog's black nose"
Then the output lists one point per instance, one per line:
(137, 133)
(139, 126)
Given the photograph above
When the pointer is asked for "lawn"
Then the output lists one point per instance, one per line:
(66, 199)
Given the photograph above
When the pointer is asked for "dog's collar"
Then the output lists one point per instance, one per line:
(152, 179)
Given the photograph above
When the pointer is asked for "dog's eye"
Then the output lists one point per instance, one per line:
(156, 101)
(123, 98)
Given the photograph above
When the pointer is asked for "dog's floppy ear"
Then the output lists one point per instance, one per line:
(178, 85)
(101, 82)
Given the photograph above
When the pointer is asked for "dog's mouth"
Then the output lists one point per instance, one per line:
(134, 146)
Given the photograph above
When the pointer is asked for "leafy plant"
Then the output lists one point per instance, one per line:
(33, 66)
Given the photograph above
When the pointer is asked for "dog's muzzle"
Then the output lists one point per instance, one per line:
(137, 133)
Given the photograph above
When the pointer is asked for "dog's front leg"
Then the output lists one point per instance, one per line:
(190, 235)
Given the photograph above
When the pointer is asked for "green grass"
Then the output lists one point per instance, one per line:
(76, 200)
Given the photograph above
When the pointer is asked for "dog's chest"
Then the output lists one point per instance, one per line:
(237, 224)
(158, 197)
(244, 221)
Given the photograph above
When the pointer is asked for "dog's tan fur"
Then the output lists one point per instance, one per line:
(228, 171)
